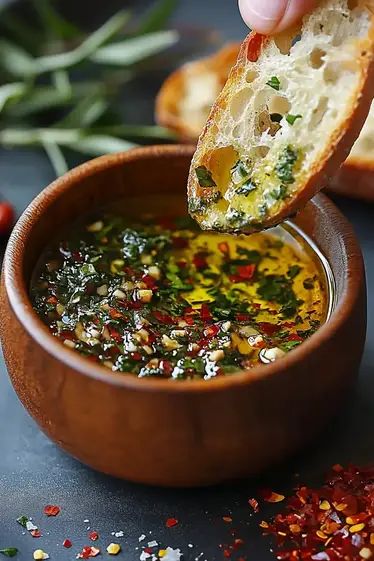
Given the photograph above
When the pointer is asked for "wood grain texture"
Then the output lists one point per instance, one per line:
(157, 431)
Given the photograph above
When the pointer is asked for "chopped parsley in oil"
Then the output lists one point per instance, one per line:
(205, 177)
(161, 299)
(285, 165)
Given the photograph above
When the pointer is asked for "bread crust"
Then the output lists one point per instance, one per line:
(334, 154)
(167, 110)
(354, 180)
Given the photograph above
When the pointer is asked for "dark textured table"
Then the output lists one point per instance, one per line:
(33, 472)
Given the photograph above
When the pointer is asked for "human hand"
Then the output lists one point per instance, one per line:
(273, 16)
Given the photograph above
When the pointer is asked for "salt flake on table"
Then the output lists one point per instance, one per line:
(153, 543)
(30, 526)
(142, 537)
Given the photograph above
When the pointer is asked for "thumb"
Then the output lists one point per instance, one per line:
(273, 16)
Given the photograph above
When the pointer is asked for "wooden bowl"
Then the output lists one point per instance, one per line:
(157, 431)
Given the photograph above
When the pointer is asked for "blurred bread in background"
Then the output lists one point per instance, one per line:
(187, 95)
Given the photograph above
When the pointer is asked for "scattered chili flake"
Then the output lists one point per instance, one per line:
(227, 519)
(52, 510)
(36, 533)
(93, 536)
(227, 553)
(329, 523)
(170, 522)
(254, 504)
(67, 543)
(224, 247)
(271, 496)
(254, 48)
(88, 551)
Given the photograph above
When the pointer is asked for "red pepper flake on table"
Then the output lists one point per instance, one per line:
(333, 523)
(171, 522)
(87, 552)
(52, 510)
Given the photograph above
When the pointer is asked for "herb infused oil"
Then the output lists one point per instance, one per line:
(158, 297)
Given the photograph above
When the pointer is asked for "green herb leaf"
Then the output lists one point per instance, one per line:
(279, 193)
(85, 49)
(274, 83)
(205, 177)
(156, 18)
(56, 158)
(289, 345)
(9, 551)
(308, 284)
(278, 288)
(14, 60)
(22, 520)
(54, 22)
(293, 271)
(135, 49)
(10, 92)
(246, 188)
(292, 118)
(285, 165)
(86, 112)
(97, 145)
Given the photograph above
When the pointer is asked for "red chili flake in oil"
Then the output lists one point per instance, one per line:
(224, 248)
(67, 543)
(52, 510)
(255, 44)
(332, 523)
(246, 272)
(170, 522)
(93, 536)
(205, 313)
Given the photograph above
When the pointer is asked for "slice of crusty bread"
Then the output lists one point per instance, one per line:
(356, 177)
(286, 119)
(186, 97)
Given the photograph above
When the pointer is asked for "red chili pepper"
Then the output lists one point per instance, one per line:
(149, 281)
(180, 243)
(6, 218)
(224, 247)
(199, 260)
(240, 316)
(268, 328)
(67, 543)
(52, 510)
(182, 264)
(115, 335)
(52, 300)
(254, 504)
(77, 256)
(93, 536)
(163, 318)
(36, 533)
(235, 278)
(246, 271)
(148, 550)
(136, 356)
(166, 367)
(205, 313)
(170, 522)
(295, 337)
(115, 314)
(255, 44)
(212, 331)
(227, 553)
(87, 552)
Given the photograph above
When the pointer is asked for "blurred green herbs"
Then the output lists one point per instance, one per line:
(45, 102)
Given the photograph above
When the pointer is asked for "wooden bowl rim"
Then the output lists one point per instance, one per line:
(17, 291)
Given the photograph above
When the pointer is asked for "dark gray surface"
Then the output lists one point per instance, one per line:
(33, 472)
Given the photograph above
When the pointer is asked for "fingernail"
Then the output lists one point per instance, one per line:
(263, 15)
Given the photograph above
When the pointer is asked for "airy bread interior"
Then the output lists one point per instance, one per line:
(281, 116)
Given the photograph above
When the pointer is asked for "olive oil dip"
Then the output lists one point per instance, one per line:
(157, 297)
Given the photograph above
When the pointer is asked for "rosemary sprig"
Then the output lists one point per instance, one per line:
(46, 102)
